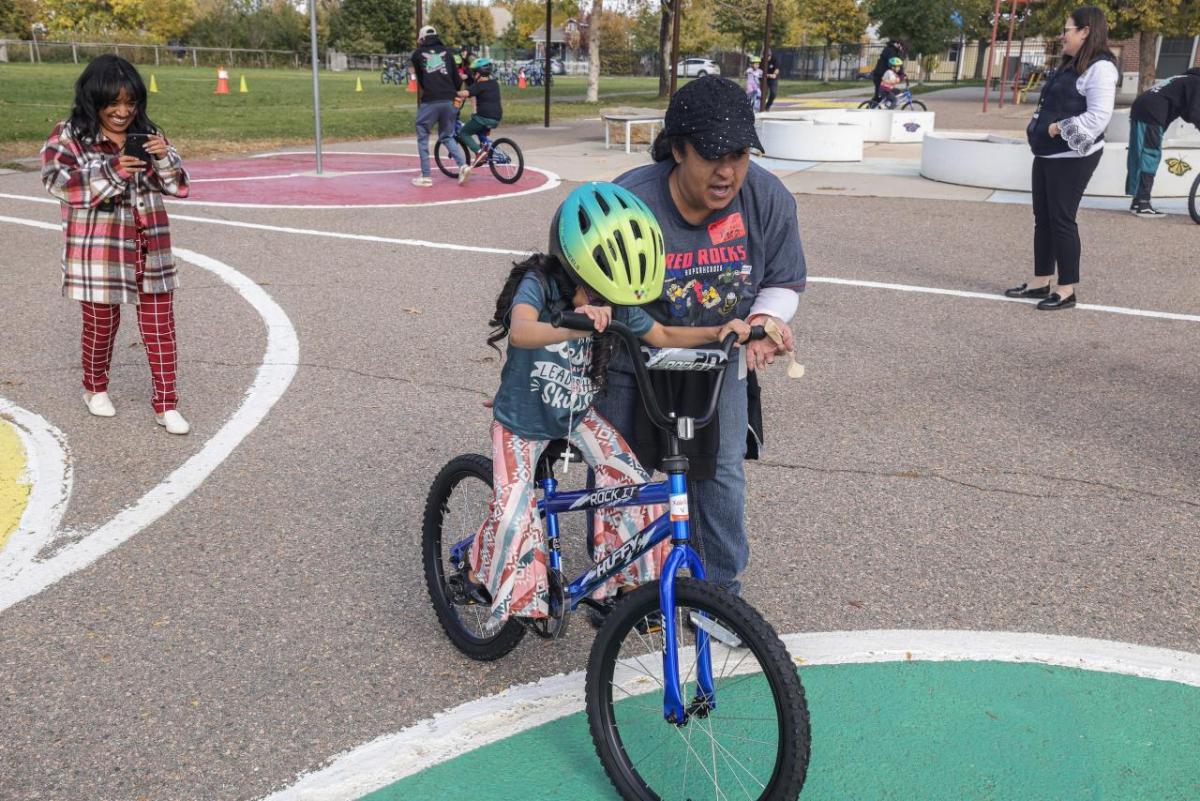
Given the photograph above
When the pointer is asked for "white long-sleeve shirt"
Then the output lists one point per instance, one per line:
(1099, 85)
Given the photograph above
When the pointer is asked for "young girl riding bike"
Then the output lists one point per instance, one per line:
(606, 258)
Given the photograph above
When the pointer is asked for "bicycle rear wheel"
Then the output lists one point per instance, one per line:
(506, 161)
(444, 160)
(458, 503)
(1194, 201)
(914, 105)
(866, 104)
(753, 744)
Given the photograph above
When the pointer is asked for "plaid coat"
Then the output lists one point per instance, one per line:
(98, 204)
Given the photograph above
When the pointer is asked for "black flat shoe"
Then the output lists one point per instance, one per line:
(1057, 301)
(1023, 292)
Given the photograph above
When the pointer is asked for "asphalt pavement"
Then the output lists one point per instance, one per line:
(948, 462)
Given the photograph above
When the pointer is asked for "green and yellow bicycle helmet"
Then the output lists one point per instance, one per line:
(608, 239)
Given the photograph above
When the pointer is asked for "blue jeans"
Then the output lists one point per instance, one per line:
(718, 513)
(444, 114)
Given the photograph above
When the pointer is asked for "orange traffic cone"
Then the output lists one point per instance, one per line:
(521, 84)
(222, 82)
(412, 82)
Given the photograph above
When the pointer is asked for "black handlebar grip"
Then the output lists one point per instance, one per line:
(758, 332)
(572, 320)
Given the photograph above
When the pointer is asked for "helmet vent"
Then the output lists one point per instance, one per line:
(621, 247)
(603, 203)
(602, 261)
(637, 230)
(585, 222)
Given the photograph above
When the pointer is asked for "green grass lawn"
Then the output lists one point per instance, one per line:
(278, 108)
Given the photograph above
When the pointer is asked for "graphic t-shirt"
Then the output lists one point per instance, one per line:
(715, 269)
(435, 70)
(544, 391)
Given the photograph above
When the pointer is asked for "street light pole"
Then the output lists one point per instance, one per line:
(312, 35)
(546, 72)
(762, 96)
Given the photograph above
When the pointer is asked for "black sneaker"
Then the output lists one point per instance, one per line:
(1147, 211)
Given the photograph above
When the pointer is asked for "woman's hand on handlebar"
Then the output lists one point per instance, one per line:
(599, 315)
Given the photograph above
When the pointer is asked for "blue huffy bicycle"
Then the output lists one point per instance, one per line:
(690, 693)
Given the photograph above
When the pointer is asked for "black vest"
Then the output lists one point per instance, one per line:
(1059, 101)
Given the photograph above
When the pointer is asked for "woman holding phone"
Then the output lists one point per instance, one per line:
(109, 166)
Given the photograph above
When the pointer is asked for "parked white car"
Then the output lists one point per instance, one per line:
(697, 68)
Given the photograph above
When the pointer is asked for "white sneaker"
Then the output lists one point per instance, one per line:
(174, 422)
(464, 174)
(99, 404)
(424, 180)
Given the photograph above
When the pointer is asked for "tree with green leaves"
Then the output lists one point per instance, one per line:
(388, 23)
(834, 22)
(1127, 18)
(461, 24)
(16, 17)
(924, 25)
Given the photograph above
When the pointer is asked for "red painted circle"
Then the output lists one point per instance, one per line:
(348, 179)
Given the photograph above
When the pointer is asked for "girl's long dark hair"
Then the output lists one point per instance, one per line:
(561, 287)
(99, 85)
(1096, 43)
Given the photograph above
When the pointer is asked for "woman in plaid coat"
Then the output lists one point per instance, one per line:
(117, 237)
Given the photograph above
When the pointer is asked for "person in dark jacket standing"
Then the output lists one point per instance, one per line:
(437, 86)
(894, 49)
(1149, 118)
(772, 79)
(1066, 136)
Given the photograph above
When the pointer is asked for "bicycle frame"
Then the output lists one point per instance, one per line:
(674, 523)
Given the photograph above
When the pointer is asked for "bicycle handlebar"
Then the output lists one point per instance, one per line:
(581, 322)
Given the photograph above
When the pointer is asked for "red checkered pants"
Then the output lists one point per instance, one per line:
(156, 321)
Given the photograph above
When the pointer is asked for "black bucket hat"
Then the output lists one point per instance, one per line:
(715, 114)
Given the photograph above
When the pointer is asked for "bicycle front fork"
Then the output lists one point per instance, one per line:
(681, 556)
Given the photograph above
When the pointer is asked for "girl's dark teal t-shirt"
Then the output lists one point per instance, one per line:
(545, 391)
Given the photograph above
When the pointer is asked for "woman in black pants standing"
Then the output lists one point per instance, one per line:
(1066, 136)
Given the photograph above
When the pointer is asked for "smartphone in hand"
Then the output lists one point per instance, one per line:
(135, 145)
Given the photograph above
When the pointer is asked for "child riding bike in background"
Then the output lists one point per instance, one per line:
(606, 259)
(488, 111)
(890, 80)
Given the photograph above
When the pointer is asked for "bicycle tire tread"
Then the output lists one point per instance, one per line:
(772, 654)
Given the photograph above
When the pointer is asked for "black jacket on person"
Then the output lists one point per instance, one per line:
(436, 71)
(1178, 97)
(881, 66)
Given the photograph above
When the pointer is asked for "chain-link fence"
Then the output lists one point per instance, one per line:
(31, 51)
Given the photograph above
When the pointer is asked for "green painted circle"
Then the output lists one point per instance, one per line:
(908, 731)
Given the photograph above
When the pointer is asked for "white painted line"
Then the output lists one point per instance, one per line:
(1175, 205)
(957, 293)
(477, 723)
(280, 360)
(49, 473)
(552, 181)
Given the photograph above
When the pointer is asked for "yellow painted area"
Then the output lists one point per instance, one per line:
(821, 102)
(14, 489)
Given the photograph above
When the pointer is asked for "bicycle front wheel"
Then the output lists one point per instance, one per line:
(753, 743)
(507, 161)
(914, 105)
(458, 503)
(866, 104)
(1194, 201)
